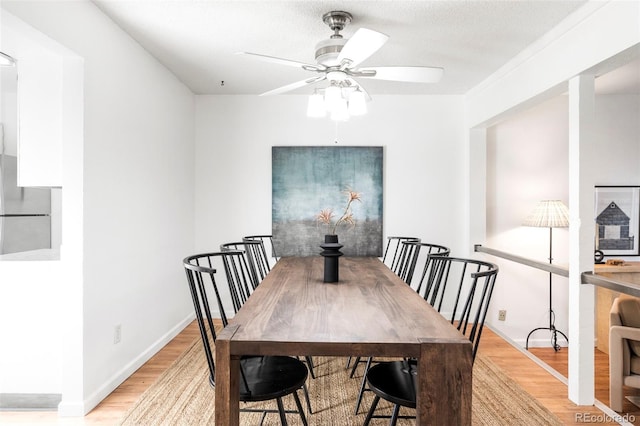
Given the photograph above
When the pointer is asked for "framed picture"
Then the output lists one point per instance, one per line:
(617, 220)
(308, 179)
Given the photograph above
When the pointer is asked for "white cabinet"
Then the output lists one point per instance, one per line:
(40, 68)
(40, 121)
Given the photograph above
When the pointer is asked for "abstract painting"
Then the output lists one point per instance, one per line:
(307, 180)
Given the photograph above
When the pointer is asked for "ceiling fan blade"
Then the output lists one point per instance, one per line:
(408, 74)
(281, 61)
(294, 86)
(363, 44)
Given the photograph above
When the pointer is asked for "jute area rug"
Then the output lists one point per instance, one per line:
(182, 396)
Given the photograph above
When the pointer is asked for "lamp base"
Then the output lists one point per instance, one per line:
(554, 340)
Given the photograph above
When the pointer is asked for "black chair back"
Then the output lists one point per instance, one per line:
(404, 259)
(201, 279)
(262, 377)
(252, 250)
(399, 252)
(267, 242)
(461, 290)
(239, 277)
(420, 260)
(259, 254)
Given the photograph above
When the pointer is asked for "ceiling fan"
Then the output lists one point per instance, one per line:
(338, 59)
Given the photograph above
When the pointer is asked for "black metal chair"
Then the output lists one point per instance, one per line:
(252, 250)
(419, 256)
(248, 272)
(421, 262)
(240, 276)
(464, 286)
(269, 248)
(262, 378)
(258, 253)
(405, 259)
(399, 251)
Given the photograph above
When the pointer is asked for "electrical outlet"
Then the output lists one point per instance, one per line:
(502, 315)
(117, 334)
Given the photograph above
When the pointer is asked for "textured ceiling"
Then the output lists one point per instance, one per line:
(197, 40)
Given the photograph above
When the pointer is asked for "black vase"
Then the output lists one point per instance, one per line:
(331, 252)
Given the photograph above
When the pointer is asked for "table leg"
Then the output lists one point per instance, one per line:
(444, 383)
(227, 390)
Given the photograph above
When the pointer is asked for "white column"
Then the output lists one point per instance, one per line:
(73, 315)
(582, 162)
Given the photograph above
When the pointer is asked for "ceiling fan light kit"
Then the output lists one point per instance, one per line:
(357, 103)
(340, 103)
(316, 107)
(337, 61)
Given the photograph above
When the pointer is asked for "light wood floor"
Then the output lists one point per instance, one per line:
(540, 384)
(543, 386)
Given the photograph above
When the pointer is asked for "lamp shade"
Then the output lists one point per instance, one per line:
(339, 111)
(357, 103)
(315, 107)
(549, 214)
(333, 97)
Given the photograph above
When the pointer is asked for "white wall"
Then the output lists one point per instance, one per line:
(618, 133)
(138, 201)
(527, 162)
(424, 172)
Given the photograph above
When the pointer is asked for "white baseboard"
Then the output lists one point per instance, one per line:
(542, 342)
(71, 409)
(75, 409)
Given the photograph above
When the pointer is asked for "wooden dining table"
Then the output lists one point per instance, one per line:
(370, 311)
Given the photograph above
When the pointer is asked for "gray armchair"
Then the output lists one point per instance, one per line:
(624, 348)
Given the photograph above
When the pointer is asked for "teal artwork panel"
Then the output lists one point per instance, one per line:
(306, 180)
